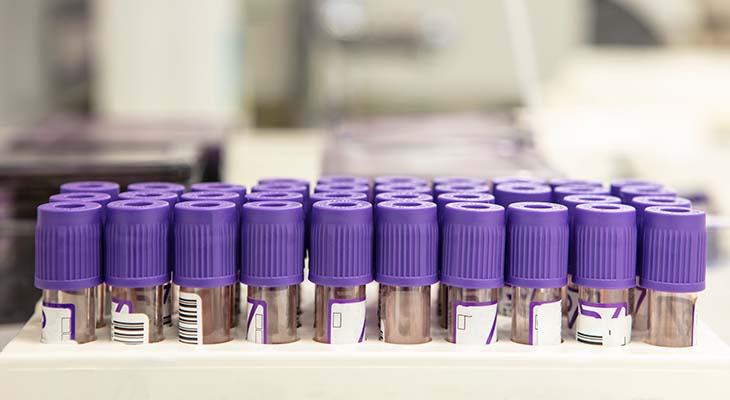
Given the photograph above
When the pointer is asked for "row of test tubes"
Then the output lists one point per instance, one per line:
(558, 255)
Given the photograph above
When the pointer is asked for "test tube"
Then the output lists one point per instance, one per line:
(285, 187)
(407, 196)
(404, 179)
(616, 186)
(137, 268)
(171, 198)
(170, 187)
(327, 179)
(514, 179)
(629, 192)
(68, 269)
(272, 240)
(537, 269)
(103, 300)
(441, 202)
(459, 187)
(556, 182)
(605, 270)
(285, 180)
(443, 180)
(473, 268)
(403, 187)
(219, 187)
(515, 192)
(570, 297)
(95, 197)
(340, 266)
(673, 272)
(205, 269)
(344, 187)
(406, 267)
(560, 192)
(640, 313)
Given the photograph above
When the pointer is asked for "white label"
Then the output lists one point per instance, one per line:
(256, 322)
(603, 324)
(475, 324)
(58, 323)
(347, 321)
(190, 318)
(505, 300)
(167, 304)
(571, 297)
(545, 323)
(129, 327)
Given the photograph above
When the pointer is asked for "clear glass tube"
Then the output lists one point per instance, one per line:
(236, 312)
(69, 316)
(505, 301)
(204, 315)
(640, 309)
(536, 316)
(103, 305)
(442, 304)
(339, 314)
(671, 319)
(137, 314)
(405, 314)
(570, 304)
(604, 317)
(471, 316)
(167, 301)
(272, 314)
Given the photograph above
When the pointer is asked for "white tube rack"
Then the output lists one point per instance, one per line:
(306, 369)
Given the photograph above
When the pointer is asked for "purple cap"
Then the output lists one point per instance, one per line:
(514, 179)
(446, 180)
(556, 182)
(233, 197)
(472, 250)
(406, 250)
(605, 246)
(402, 187)
(275, 196)
(68, 246)
(286, 181)
(170, 198)
(674, 250)
(456, 197)
(272, 243)
(561, 191)
(176, 188)
(537, 245)
(508, 193)
(355, 180)
(629, 192)
(343, 187)
(284, 187)
(97, 197)
(315, 197)
(110, 188)
(205, 243)
(341, 244)
(402, 196)
(219, 187)
(402, 179)
(459, 187)
(136, 239)
(617, 185)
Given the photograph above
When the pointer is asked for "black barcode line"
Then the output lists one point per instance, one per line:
(188, 323)
(128, 332)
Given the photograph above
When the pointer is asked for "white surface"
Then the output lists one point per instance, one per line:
(306, 369)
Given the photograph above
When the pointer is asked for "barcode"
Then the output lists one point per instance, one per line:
(589, 339)
(128, 332)
(189, 324)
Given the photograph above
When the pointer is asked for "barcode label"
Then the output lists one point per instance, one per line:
(256, 322)
(475, 323)
(167, 304)
(545, 322)
(58, 324)
(603, 324)
(346, 321)
(190, 318)
(127, 326)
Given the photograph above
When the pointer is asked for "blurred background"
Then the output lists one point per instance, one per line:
(239, 89)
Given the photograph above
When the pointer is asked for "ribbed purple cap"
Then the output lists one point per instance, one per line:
(176, 188)
(110, 188)
(219, 187)
(629, 192)
(286, 181)
(674, 250)
(508, 193)
(456, 197)
(285, 187)
(605, 246)
(136, 239)
(355, 180)
(68, 246)
(446, 180)
(560, 192)
(514, 179)
(233, 197)
(617, 185)
(537, 245)
(472, 250)
(341, 243)
(344, 187)
(402, 196)
(556, 182)
(406, 249)
(101, 198)
(400, 179)
(315, 197)
(205, 243)
(272, 243)
(170, 198)
(402, 187)
(459, 187)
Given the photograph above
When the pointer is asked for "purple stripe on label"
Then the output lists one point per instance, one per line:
(572, 318)
(71, 308)
(254, 306)
(534, 304)
(121, 303)
(474, 304)
(642, 296)
(329, 314)
(617, 307)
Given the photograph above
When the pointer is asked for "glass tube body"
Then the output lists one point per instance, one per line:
(671, 319)
(167, 303)
(272, 314)
(604, 317)
(442, 304)
(570, 303)
(505, 300)
(536, 316)
(103, 305)
(137, 314)
(69, 316)
(339, 314)
(471, 316)
(204, 315)
(640, 309)
(236, 303)
(405, 314)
